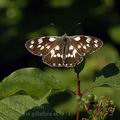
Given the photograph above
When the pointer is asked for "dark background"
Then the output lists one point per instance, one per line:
(21, 20)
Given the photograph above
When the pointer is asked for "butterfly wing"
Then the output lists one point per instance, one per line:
(85, 44)
(43, 45)
(71, 56)
(78, 47)
(63, 55)
(56, 52)
(55, 57)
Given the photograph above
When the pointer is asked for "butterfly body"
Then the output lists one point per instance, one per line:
(63, 51)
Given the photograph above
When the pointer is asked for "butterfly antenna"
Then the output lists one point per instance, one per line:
(75, 27)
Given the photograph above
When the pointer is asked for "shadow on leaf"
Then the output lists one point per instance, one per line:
(59, 98)
(44, 112)
(109, 70)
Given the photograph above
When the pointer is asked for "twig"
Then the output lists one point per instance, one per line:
(78, 68)
(78, 93)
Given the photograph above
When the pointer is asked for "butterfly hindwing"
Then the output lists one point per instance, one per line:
(72, 57)
(63, 55)
(55, 57)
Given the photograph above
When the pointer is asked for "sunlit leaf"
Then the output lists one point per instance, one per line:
(31, 81)
(23, 107)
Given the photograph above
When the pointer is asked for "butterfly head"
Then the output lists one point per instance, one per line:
(65, 37)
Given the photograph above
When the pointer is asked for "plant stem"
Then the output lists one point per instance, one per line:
(78, 86)
(78, 93)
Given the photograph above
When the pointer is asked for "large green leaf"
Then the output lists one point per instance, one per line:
(35, 83)
(24, 107)
(31, 81)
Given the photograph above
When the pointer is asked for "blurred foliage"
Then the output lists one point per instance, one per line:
(114, 33)
(61, 3)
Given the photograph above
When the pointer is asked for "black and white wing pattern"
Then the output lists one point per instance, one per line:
(79, 46)
(43, 45)
(64, 51)
(49, 47)
(85, 44)
(62, 55)
(55, 57)
(71, 55)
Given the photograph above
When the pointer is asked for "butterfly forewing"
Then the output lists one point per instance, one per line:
(85, 44)
(42, 46)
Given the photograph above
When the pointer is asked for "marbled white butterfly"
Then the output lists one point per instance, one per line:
(63, 51)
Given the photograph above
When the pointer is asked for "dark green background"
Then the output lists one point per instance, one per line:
(21, 20)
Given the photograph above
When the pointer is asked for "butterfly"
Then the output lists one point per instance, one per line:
(63, 51)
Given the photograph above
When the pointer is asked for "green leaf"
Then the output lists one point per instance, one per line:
(23, 107)
(65, 77)
(31, 81)
(109, 76)
(63, 102)
(95, 62)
